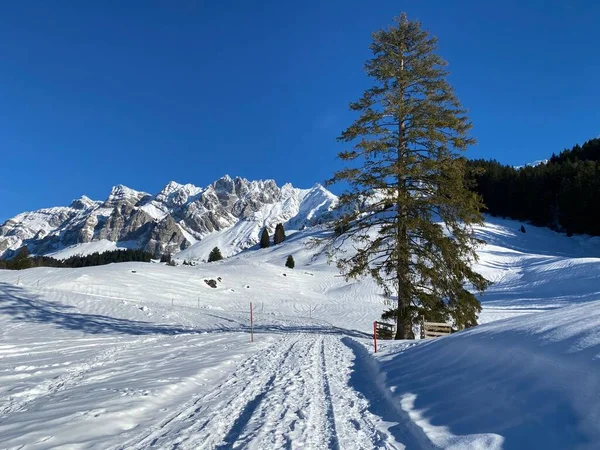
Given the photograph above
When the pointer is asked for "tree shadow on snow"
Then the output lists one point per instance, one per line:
(21, 305)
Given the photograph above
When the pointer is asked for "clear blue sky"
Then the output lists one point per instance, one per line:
(98, 93)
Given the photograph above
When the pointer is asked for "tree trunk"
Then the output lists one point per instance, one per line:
(403, 317)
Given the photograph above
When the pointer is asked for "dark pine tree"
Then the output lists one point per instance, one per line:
(562, 193)
(22, 259)
(215, 255)
(407, 162)
(279, 235)
(94, 259)
(264, 239)
(289, 262)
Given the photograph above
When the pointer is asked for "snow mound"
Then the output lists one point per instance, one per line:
(527, 382)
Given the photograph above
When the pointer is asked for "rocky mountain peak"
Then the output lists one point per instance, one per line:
(175, 194)
(83, 202)
(226, 184)
(123, 194)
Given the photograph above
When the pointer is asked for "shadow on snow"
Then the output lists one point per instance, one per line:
(502, 384)
(20, 305)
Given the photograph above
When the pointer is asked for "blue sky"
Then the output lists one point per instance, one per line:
(94, 94)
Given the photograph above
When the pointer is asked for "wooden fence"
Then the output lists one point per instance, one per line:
(435, 329)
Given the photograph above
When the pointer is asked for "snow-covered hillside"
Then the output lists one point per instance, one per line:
(231, 211)
(135, 356)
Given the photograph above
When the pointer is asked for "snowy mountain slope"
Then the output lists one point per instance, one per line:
(141, 355)
(537, 270)
(174, 219)
(40, 224)
(297, 209)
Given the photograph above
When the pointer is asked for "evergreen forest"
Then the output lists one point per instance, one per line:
(563, 193)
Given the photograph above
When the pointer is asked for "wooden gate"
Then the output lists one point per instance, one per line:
(384, 330)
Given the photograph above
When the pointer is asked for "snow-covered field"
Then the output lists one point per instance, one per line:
(140, 355)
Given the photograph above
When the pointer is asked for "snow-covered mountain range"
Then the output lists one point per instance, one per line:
(230, 211)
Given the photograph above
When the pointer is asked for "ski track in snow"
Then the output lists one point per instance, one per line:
(74, 375)
(295, 394)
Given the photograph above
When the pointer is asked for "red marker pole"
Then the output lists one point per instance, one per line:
(375, 336)
(251, 324)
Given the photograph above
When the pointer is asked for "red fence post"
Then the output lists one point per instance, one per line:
(375, 336)
(251, 324)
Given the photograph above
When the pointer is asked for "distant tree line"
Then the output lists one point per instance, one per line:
(23, 260)
(562, 194)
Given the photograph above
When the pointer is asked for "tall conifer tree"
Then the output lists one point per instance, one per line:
(264, 239)
(279, 235)
(414, 236)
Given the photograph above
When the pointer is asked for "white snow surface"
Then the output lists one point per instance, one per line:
(136, 356)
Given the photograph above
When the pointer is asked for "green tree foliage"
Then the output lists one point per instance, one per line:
(563, 194)
(264, 239)
(406, 168)
(115, 256)
(341, 228)
(289, 262)
(215, 255)
(279, 235)
(23, 261)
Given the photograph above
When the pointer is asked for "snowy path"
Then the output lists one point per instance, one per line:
(294, 394)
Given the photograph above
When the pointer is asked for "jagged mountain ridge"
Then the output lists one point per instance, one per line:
(179, 216)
